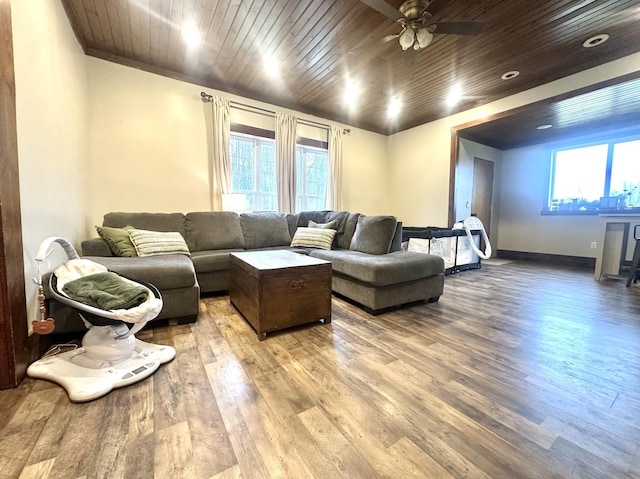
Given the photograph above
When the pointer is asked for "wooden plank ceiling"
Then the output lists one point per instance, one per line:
(321, 44)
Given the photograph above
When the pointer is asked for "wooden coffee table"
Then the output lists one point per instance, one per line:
(274, 290)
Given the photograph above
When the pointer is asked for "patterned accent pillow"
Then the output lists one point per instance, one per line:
(313, 237)
(148, 243)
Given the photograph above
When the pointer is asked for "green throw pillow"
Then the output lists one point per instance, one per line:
(118, 240)
(331, 225)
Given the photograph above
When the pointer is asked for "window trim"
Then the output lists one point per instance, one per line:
(261, 132)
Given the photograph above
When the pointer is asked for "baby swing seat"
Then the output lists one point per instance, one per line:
(110, 356)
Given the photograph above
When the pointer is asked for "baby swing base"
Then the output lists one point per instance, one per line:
(85, 384)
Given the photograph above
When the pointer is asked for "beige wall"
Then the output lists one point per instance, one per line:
(419, 160)
(467, 151)
(522, 196)
(148, 146)
(51, 111)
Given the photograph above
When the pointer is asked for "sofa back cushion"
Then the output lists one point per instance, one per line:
(208, 230)
(147, 221)
(396, 242)
(324, 217)
(374, 234)
(350, 223)
(292, 221)
(262, 230)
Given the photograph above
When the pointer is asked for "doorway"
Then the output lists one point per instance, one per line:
(482, 193)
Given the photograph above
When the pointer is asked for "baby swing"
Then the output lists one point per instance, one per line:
(110, 356)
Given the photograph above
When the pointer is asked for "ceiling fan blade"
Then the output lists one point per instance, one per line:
(459, 28)
(389, 38)
(384, 8)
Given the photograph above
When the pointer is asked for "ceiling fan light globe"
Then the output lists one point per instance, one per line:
(423, 37)
(406, 38)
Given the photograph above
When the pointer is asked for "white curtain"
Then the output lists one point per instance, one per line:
(221, 126)
(286, 161)
(334, 186)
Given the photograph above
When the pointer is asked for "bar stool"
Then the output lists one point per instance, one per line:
(635, 262)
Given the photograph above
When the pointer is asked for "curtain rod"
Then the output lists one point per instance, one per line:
(206, 98)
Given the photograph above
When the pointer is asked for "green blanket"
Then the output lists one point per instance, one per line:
(106, 291)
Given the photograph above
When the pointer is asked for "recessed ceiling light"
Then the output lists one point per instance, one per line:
(454, 96)
(351, 94)
(544, 127)
(395, 105)
(596, 40)
(191, 35)
(510, 75)
(271, 67)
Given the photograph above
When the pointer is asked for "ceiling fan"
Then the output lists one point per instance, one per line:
(414, 17)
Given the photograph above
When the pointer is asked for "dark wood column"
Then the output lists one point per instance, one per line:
(14, 341)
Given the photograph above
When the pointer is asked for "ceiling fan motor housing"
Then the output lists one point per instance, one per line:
(415, 10)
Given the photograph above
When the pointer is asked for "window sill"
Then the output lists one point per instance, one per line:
(596, 212)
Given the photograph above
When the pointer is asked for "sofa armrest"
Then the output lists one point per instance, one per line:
(95, 247)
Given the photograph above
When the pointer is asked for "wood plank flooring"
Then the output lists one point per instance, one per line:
(520, 371)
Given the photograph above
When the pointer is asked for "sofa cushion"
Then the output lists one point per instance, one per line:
(292, 221)
(350, 223)
(382, 270)
(167, 271)
(149, 243)
(118, 240)
(263, 230)
(147, 221)
(212, 260)
(313, 237)
(373, 234)
(209, 230)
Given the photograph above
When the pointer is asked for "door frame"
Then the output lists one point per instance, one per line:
(16, 347)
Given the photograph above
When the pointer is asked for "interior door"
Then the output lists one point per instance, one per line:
(482, 192)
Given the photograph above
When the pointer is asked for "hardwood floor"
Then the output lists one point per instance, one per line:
(520, 371)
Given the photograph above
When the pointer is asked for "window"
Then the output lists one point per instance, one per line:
(312, 170)
(253, 170)
(581, 176)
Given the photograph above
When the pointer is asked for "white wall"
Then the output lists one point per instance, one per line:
(148, 146)
(467, 151)
(51, 116)
(522, 197)
(419, 158)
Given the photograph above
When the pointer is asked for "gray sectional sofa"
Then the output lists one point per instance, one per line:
(368, 265)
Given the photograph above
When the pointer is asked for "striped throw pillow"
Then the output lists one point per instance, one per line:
(149, 243)
(313, 238)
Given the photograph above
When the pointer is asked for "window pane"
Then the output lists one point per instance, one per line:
(579, 174)
(242, 164)
(312, 169)
(253, 170)
(625, 172)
